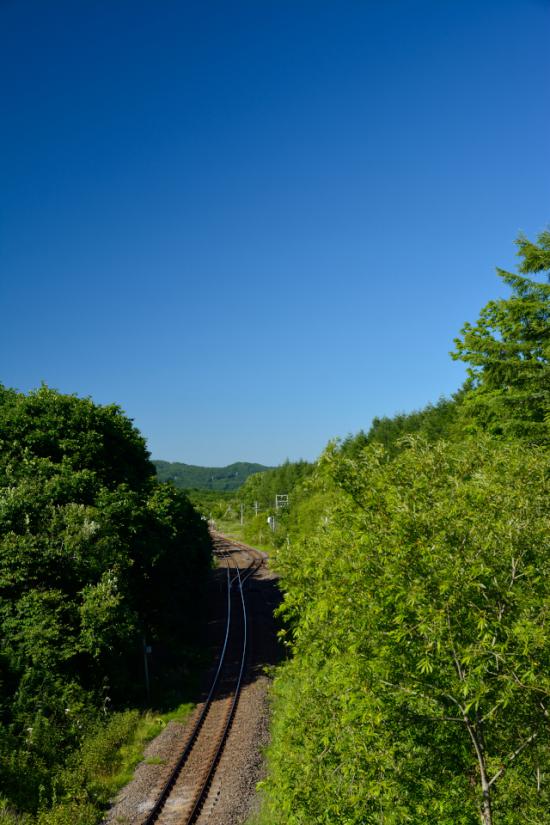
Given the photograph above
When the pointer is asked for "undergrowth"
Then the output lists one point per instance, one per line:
(103, 764)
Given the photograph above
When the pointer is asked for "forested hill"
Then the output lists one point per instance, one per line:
(189, 476)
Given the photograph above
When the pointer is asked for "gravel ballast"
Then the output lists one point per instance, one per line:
(232, 797)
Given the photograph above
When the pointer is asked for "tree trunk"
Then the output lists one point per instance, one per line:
(486, 813)
(477, 738)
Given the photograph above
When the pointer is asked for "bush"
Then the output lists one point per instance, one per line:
(417, 617)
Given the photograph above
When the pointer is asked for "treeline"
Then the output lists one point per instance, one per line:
(434, 422)
(245, 510)
(299, 482)
(289, 482)
(262, 488)
(416, 603)
(97, 561)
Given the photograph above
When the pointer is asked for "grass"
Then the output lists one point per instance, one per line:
(103, 765)
(10, 817)
(235, 530)
(120, 768)
(180, 713)
(255, 819)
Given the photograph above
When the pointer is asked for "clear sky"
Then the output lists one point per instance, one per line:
(256, 224)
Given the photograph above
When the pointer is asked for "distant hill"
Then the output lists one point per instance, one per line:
(188, 476)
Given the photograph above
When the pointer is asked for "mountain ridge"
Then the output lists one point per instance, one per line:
(193, 476)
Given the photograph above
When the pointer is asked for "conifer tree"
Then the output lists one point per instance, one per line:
(508, 351)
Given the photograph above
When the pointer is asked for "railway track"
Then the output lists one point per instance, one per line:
(186, 790)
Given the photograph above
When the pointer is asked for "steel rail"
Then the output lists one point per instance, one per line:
(203, 791)
(154, 813)
(261, 556)
(219, 750)
(253, 569)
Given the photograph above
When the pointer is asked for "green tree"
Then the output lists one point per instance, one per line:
(94, 553)
(419, 689)
(508, 351)
(263, 487)
(73, 431)
(433, 422)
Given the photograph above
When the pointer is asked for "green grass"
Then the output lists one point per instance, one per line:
(130, 753)
(10, 817)
(230, 528)
(120, 769)
(104, 764)
(256, 819)
(179, 714)
(234, 530)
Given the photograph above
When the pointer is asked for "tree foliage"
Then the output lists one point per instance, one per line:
(260, 490)
(418, 621)
(416, 604)
(508, 351)
(263, 487)
(433, 422)
(94, 554)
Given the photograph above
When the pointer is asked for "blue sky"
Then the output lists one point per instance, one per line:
(256, 225)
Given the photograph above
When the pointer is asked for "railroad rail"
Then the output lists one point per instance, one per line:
(184, 793)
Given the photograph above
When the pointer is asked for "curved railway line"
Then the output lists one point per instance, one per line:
(186, 790)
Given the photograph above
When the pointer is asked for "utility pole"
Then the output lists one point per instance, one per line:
(146, 652)
(256, 508)
(242, 514)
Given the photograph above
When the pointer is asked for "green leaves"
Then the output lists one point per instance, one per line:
(418, 619)
(508, 350)
(103, 620)
(94, 554)
(65, 428)
(421, 599)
